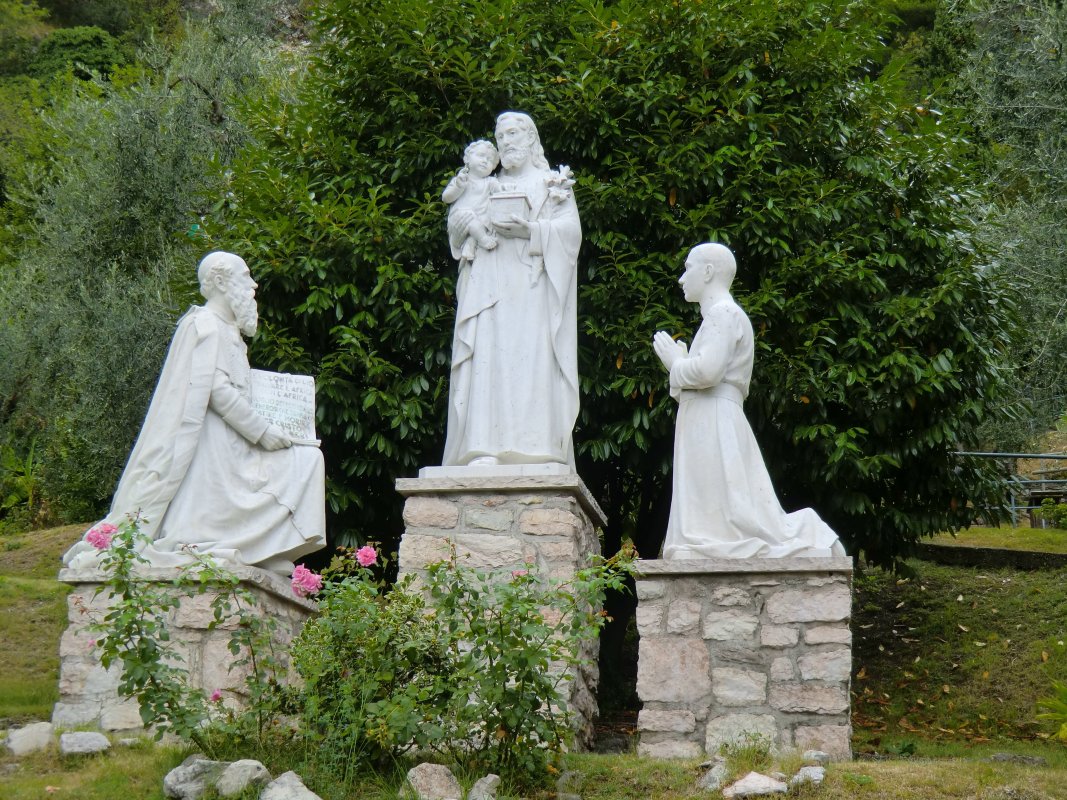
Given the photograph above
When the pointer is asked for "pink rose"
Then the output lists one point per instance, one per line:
(366, 555)
(305, 581)
(519, 573)
(216, 696)
(100, 536)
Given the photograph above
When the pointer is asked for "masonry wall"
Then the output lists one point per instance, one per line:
(88, 694)
(503, 523)
(734, 646)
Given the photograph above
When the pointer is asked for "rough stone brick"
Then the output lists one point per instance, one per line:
(667, 721)
(732, 727)
(669, 749)
(827, 634)
(738, 687)
(731, 596)
(549, 522)
(683, 616)
(650, 590)
(782, 669)
(826, 604)
(488, 519)
(486, 551)
(724, 625)
(673, 670)
(799, 698)
(649, 618)
(556, 551)
(416, 552)
(430, 512)
(835, 665)
(778, 636)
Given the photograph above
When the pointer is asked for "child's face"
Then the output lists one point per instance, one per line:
(481, 162)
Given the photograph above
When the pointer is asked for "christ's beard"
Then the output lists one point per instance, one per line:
(511, 157)
(246, 314)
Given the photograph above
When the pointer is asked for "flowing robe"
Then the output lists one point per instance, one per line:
(513, 393)
(196, 476)
(724, 505)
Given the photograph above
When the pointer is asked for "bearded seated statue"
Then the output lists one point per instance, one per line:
(208, 473)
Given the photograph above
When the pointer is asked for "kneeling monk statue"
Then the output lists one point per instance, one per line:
(208, 471)
(723, 504)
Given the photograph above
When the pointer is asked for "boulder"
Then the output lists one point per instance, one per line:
(190, 779)
(714, 778)
(754, 785)
(434, 782)
(83, 743)
(240, 775)
(288, 786)
(30, 738)
(485, 788)
(812, 775)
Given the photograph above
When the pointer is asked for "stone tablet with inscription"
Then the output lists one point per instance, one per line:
(287, 401)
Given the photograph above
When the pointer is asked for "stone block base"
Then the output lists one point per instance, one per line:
(736, 646)
(88, 694)
(503, 518)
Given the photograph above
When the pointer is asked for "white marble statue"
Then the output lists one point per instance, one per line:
(471, 189)
(724, 505)
(207, 470)
(514, 386)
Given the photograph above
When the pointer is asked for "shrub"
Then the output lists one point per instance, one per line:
(87, 51)
(476, 673)
(760, 124)
(1052, 512)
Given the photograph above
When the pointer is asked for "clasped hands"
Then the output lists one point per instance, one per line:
(668, 349)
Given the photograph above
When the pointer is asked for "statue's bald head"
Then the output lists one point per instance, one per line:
(718, 257)
(213, 266)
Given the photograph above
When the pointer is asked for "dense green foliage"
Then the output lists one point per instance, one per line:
(758, 124)
(86, 50)
(1014, 81)
(96, 258)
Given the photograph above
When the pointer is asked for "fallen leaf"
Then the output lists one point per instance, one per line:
(959, 599)
(1044, 655)
(862, 673)
(963, 628)
(946, 688)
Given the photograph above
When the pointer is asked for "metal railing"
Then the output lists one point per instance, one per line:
(1026, 493)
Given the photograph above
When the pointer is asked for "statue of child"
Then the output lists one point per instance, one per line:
(470, 189)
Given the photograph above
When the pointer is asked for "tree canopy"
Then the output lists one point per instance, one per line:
(759, 124)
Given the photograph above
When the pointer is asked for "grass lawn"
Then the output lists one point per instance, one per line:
(1040, 540)
(948, 665)
(33, 615)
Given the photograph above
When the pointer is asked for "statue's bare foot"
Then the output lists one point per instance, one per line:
(484, 461)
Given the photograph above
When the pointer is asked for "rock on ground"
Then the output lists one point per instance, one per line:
(714, 778)
(240, 775)
(288, 787)
(812, 775)
(81, 743)
(485, 788)
(754, 785)
(818, 756)
(434, 782)
(190, 779)
(30, 738)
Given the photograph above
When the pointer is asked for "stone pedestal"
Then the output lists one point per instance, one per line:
(503, 518)
(88, 693)
(734, 646)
